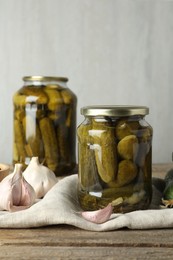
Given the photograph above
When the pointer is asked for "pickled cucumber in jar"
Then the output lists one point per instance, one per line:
(45, 124)
(114, 152)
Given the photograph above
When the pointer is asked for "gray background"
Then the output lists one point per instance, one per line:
(112, 51)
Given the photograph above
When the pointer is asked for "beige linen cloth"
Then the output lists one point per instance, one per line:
(60, 206)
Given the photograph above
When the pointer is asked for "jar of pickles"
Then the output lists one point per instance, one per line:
(115, 158)
(45, 123)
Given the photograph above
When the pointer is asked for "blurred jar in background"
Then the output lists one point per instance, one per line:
(45, 123)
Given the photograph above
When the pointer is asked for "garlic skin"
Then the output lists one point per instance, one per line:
(15, 192)
(40, 177)
(98, 216)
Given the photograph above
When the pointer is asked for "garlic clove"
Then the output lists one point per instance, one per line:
(5, 194)
(15, 193)
(40, 177)
(28, 194)
(17, 184)
(98, 216)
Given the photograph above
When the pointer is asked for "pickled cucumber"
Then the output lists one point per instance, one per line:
(116, 192)
(67, 96)
(50, 143)
(19, 141)
(70, 103)
(55, 100)
(63, 143)
(125, 128)
(34, 95)
(128, 147)
(105, 152)
(145, 138)
(19, 100)
(88, 173)
(19, 114)
(127, 171)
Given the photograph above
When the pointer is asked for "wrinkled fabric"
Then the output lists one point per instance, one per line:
(60, 206)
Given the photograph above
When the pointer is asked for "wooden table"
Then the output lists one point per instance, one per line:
(67, 242)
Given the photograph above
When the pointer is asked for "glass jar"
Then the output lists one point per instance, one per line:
(115, 158)
(45, 124)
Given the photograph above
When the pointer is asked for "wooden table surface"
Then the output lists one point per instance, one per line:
(67, 242)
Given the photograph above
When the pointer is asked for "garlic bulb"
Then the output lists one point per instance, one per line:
(41, 178)
(15, 192)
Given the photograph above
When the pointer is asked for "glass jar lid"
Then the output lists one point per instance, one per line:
(44, 78)
(114, 110)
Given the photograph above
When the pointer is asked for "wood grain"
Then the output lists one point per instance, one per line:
(66, 242)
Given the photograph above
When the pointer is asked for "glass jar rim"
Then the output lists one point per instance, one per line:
(118, 110)
(44, 78)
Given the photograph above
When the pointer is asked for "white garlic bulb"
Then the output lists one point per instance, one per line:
(15, 192)
(40, 177)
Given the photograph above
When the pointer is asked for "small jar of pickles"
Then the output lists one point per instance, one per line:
(45, 124)
(115, 158)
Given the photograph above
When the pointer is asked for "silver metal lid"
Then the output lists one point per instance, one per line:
(44, 78)
(114, 110)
